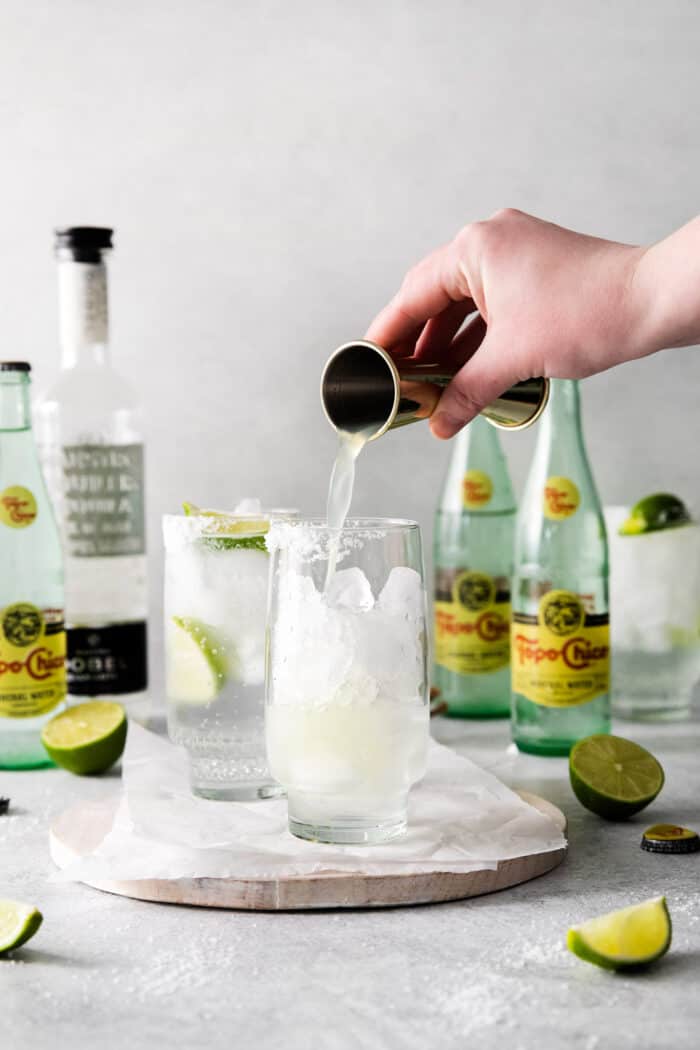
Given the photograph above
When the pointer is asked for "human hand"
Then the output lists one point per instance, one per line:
(550, 302)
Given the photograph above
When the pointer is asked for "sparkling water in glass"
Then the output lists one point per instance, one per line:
(347, 687)
(655, 619)
(216, 574)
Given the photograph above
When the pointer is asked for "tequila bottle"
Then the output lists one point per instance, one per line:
(32, 636)
(560, 633)
(92, 451)
(474, 531)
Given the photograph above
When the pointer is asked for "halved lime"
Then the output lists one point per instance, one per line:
(199, 662)
(660, 511)
(624, 939)
(18, 922)
(614, 777)
(87, 738)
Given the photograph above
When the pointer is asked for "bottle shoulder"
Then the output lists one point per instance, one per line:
(86, 406)
(101, 384)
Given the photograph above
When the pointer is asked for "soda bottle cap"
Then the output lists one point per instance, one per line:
(670, 838)
(84, 243)
(15, 366)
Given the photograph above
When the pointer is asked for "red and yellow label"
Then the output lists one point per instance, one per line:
(561, 498)
(32, 660)
(477, 489)
(17, 507)
(561, 657)
(472, 629)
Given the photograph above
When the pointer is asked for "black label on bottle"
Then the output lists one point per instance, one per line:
(107, 660)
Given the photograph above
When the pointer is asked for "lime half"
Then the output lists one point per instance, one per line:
(18, 922)
(87, 738)
(660, 511)
(624, 939)
(199, 662)
(614, 777)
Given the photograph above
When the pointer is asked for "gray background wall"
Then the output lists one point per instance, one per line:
(273, 167)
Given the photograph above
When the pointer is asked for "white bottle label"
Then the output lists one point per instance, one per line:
(104, 504)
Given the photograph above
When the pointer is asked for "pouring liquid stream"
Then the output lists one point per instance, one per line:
(340, 488)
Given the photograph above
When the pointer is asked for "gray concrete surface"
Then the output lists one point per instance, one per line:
(110, 973)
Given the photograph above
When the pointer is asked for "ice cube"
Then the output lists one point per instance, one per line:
(402, 594)
(248, 506)
(350, 589)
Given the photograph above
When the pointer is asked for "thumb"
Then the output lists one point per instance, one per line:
(485, 376)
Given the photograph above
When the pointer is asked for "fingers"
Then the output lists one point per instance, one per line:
(455, 354)
(436, 339)
(479, 382)
(432, 286)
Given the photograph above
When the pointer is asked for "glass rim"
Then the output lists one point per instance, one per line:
(355, 524)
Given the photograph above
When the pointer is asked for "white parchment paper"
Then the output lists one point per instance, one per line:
(461, 819)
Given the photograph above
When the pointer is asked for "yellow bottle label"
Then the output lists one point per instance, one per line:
(477, 489)
(561, 657)
(17, 507)
(32, 660)
(561, 498)
(472, 627)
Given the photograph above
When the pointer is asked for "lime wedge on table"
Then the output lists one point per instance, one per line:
(624, 939)
(199, 662)
(87, 738)
(614, 777)
(18, 922)
(660, 511)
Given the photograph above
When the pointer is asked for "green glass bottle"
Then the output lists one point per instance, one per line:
(560, 632)
(474, 528)
(32, 635)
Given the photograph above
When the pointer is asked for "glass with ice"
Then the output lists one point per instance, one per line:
(655, 618)
(216, 573)
(347, 689)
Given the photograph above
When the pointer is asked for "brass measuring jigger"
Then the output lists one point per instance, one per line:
(363, 388)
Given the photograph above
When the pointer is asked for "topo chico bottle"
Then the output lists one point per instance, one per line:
(560, 632)
(92, 453)
(32, 636)
(474, 530)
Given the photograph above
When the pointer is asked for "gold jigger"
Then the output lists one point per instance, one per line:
(363, 388)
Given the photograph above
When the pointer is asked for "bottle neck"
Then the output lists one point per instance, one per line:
(564, 406)
(15, 413)
(477, 479)
(82, 299)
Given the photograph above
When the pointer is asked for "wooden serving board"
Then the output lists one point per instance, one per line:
(79, 830)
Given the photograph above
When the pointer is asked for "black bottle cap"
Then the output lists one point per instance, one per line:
(15, 366)
(84, 243)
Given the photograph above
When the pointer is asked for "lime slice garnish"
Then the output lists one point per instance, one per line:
(199, 662)
(87, 738)
(624, 939)
(18, 922)
(248, 533)
(614, 777)
(660, 511)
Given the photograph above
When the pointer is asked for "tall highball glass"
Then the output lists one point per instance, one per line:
(347, 685)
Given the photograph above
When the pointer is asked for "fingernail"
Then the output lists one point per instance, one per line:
(444, 425)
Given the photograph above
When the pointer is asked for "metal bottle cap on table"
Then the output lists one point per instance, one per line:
(364, 388)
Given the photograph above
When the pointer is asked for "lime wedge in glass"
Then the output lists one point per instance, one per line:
(18, 922)
(660, 511)
(87, 738)
(624, 939)
(200, 662)
(227, 531)
(614, 777)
